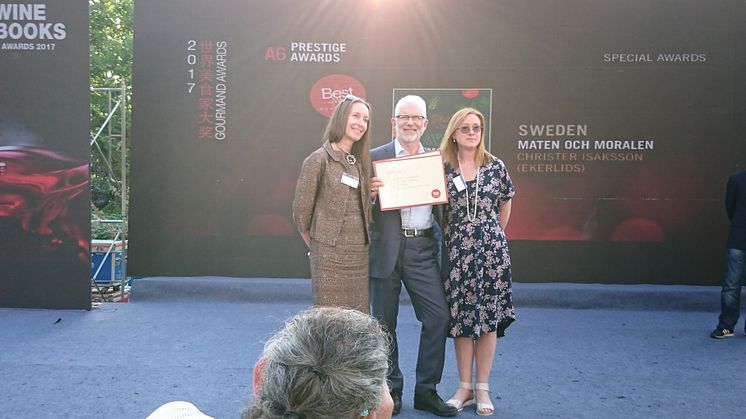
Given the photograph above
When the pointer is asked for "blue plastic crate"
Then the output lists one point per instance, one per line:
(100, 258)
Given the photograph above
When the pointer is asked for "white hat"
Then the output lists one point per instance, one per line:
(178, 410)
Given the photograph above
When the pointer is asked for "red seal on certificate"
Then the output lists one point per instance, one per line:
(435, 193)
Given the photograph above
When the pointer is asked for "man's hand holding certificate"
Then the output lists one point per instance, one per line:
(411, 181)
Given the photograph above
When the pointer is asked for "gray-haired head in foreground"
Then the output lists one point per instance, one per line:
(326, 363)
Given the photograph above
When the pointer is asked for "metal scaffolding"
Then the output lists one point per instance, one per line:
(115, 253)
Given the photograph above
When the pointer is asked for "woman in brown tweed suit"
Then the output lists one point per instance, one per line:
(332, 208)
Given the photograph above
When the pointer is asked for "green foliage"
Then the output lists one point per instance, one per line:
(102, 231)
(111, 42)
(111, 28)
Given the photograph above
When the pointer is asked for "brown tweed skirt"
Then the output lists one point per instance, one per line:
(339, 275)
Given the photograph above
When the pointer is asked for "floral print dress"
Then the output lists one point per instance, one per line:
(478, 281)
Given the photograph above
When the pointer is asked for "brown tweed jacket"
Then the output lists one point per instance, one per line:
(320, 205)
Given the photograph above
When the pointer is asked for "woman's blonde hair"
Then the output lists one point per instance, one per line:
(449, 147)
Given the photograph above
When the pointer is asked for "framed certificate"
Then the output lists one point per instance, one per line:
(411, 181)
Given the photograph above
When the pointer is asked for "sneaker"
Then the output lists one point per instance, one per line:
(721, 333)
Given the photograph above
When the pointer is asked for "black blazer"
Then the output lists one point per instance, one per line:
(735, 207)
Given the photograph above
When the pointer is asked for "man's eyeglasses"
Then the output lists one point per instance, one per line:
(405, 118)
(467, 129)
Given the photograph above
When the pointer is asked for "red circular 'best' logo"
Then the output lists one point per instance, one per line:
(332, 89)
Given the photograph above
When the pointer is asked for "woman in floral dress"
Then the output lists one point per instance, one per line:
(476, 258)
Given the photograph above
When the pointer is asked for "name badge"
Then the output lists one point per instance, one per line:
(458, 182)
(350, 180)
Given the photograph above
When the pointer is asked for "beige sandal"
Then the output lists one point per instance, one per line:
(459, 404)
(484, 409)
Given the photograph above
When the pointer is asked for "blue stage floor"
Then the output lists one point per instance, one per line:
(576, 351)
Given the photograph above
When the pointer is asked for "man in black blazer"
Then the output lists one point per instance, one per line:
(403, 249)
(735, 265)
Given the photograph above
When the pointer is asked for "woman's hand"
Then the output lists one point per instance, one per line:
(375, 184)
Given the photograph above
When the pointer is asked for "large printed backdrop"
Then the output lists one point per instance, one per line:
(618, 122)
(44, 155)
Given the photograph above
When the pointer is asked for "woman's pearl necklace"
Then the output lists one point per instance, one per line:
(469, 215)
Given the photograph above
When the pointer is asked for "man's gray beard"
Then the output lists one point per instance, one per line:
(408, 139)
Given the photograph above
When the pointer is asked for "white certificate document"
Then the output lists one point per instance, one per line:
(411, 181)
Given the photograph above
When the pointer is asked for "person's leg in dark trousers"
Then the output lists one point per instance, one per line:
(730, 296)
(421, 276)
(384, 300)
